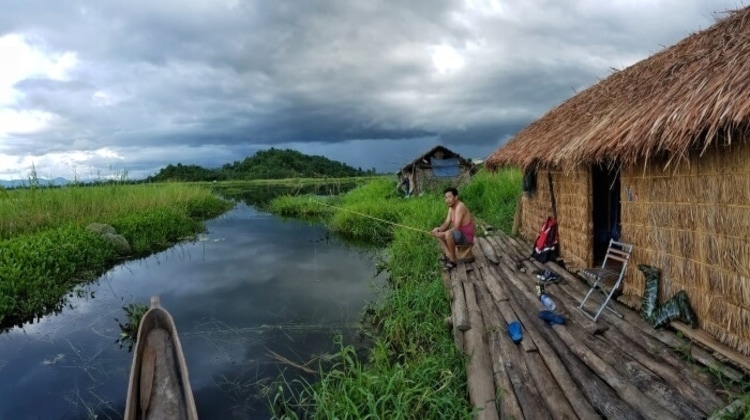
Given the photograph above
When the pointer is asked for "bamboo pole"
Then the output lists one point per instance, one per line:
(460, 311)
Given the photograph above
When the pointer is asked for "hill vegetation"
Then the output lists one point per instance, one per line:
(265, 164)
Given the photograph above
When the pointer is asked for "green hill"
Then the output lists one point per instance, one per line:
(265, 164)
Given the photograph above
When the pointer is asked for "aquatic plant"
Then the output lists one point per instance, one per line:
(129, 330)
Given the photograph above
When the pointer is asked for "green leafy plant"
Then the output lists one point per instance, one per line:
(129, 330)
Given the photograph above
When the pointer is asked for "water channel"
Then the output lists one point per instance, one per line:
(251, 291)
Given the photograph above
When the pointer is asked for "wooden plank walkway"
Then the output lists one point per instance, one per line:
(617, 368)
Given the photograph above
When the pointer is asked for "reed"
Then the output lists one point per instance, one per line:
(414, 369)
(46, 250)
(24, 211)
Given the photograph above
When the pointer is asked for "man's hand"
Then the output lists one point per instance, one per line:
(434, 232)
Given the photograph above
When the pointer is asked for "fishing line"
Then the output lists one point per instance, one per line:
(373, 217)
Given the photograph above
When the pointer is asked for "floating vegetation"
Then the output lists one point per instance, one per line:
(129, 330)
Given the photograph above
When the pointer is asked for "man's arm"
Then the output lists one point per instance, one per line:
(446, 224)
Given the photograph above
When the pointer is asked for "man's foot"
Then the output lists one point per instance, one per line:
(444, 259)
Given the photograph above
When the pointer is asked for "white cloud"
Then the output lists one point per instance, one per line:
(204, 81)
(21, 61)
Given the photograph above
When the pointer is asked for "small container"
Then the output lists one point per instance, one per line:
(539, 290)
(547, 302)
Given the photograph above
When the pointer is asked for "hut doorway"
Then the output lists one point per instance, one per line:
(605, 185)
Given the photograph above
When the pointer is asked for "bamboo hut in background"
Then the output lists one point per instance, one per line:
(435, 169)
(659, 155)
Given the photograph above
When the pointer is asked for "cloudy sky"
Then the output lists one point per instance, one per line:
(92, 88)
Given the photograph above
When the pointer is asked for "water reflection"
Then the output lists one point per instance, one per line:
(253, 291)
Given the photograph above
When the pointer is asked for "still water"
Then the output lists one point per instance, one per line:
(251, 289)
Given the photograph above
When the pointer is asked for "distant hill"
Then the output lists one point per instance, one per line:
(42, 182)
(265, 164)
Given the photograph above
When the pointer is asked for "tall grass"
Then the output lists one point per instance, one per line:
(414, 369)
(24, 211)
(494, 196)
(46, 250)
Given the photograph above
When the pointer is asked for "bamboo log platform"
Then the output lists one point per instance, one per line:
(618, 368)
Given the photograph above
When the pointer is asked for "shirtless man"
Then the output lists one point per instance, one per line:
(457, 229)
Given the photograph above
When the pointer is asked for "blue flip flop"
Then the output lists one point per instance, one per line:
(514, 331)
(551, 317)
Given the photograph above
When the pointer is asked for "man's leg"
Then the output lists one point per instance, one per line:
(450, 245)
(441, 240)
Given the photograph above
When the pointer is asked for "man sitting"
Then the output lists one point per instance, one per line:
(457, 229)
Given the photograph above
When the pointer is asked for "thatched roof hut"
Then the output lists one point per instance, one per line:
(657, 154)
(435, 169)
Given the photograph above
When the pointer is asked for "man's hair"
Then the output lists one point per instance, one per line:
(452, 191)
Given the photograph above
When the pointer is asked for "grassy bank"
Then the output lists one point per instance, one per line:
(46, 250)
(414, 369)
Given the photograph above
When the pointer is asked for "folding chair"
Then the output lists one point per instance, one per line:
(613, 268)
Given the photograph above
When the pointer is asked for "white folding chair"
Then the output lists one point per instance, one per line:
(613, 268)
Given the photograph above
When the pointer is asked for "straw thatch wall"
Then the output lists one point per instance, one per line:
(572, 191)
(693, 223)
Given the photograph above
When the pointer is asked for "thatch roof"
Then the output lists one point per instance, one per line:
(423, 160)
(688, 96)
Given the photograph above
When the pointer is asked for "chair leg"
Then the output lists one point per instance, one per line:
(607, 297)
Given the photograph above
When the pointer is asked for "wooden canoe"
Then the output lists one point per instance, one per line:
(159, 387)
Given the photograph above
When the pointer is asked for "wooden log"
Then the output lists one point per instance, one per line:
(509, 315)
(458, 339)
(624, 335)
(707, 340)
(459, 309)
(597, 392)
(479, 367)
(446, 277)
(630, 368)
(512, 357)
(487, 250)
(508, 406)
(540, 371)
(650, 334)
(636, 399)
(734, 410)
(647, 337)
(692, 384)
(458, 335)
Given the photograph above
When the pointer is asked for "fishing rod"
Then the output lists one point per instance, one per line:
(374, 218)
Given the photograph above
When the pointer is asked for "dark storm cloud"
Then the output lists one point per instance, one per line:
(233, 75)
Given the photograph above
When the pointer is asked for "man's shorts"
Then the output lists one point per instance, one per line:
(459, 238)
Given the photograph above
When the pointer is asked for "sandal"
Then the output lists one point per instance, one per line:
(443, 259)
(450, 265)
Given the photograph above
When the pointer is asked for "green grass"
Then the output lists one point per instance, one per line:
(24, 211)
(46, 250)
(414, 370)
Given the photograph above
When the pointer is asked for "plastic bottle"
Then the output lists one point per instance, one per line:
(547, 301)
